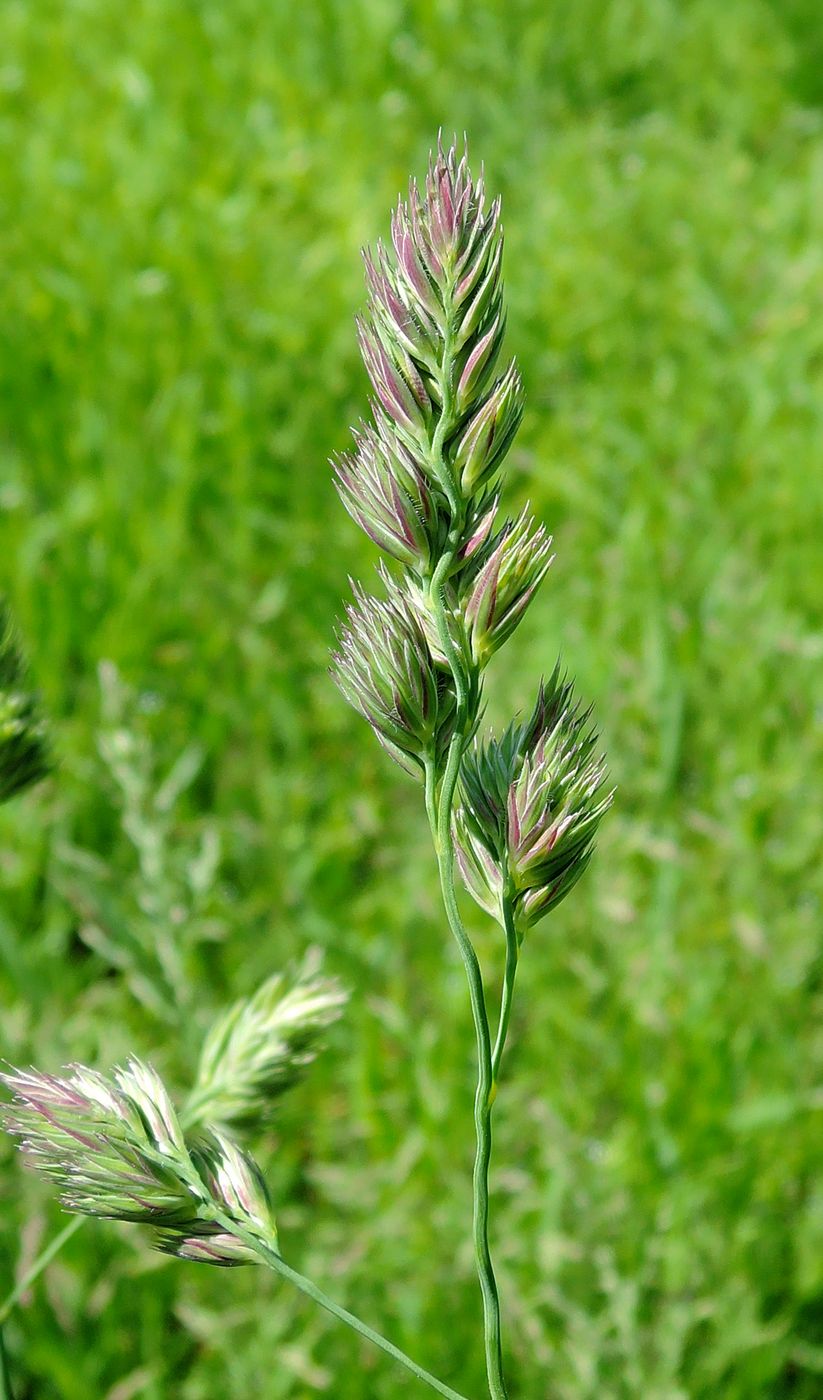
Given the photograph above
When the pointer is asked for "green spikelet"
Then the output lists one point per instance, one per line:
(258, 1048)
(24, 754)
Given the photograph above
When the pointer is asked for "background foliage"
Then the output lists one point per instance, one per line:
(185, 187)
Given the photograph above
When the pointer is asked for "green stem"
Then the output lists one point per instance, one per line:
(444, 846)
(430, 771)
(40, 1263)
(6, 1392)
(484, 1095)
(512, 958)
(270, 1256)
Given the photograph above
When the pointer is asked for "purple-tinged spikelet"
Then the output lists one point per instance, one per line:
(234, 1186)
(485, 438)
(115, 1149)
(384, 489)
(532, 803)
(385, 668)
(506, 574)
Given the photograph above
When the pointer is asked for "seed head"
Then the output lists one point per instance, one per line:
(437, 287)
(115, 1148)
(262, 1045)
(532, 802)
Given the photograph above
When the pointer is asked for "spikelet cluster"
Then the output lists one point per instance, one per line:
(261, 1045)
(388, 669)
(422, 478)
(117, 1148)
(423, 482)
(430, 342)
(114, 1146)
(24, 757)
(532, 801)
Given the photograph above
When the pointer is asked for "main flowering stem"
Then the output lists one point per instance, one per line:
(423, 483)
(443, 806)
(484, 1094)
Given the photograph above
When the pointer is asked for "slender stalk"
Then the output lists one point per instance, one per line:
(484, 1095)
(444, 846)
(41, 1262)
(512, 959)
(270, 1257)
(267, 1252)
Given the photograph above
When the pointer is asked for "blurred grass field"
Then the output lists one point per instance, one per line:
(184, 187)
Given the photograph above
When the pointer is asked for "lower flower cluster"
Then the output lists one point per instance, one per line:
(532, 803)
(114, 1146)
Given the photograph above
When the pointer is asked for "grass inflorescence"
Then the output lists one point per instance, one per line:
(177, 365)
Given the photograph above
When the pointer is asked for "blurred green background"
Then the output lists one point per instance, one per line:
(185, 186)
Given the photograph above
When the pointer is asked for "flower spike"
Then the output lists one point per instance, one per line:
(261, 1045)
(115, 1148)
(437, 291)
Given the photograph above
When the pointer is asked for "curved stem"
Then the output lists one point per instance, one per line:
(484, 1095)
(512, 958)
(266, 1251)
